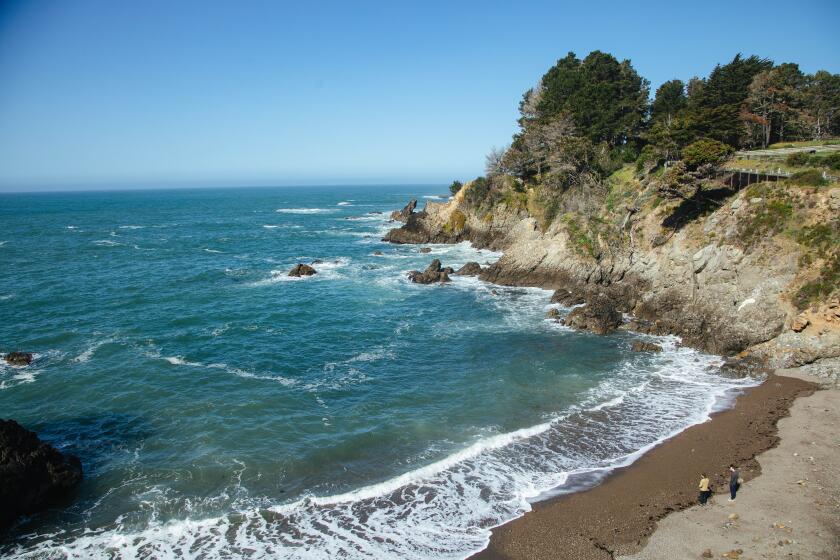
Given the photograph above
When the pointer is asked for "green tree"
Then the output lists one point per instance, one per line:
(606, 99)
(714, 109)
(670, 99)
(455, 187)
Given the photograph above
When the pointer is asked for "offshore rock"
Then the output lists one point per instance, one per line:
(599, 316)
(302, 270)
(433, 273)
(405, 213)
(18, 358)
(33, 474)
(553, 314)
(469, 269)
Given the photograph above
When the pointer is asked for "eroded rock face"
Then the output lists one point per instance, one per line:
(469, 269)
(33, 474)
(18, 358)
(405, 213)
(302, 270)
(599, 316)
(433, 273)
(642, 346)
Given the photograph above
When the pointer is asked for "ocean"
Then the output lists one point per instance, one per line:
(223, 409)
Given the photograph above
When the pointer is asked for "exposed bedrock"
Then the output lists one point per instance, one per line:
(33, 474)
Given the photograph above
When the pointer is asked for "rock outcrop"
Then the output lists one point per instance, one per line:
(599, 316)
(301, 269)
(470, 269)
(18, 358)
(674, 267)
(433, 273)
(404, 214)
(33, 474)
(642, 346)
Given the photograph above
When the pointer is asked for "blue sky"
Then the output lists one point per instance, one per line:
(112, 94)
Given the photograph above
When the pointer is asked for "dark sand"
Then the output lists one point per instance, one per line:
(617, 516)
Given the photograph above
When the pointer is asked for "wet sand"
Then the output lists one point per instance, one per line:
(620, 514)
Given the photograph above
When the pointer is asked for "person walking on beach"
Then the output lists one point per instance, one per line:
(734, 482)
(704, 489)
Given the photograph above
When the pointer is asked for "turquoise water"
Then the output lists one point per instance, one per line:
(223, 409)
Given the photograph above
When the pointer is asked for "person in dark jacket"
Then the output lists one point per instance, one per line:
(734, 482)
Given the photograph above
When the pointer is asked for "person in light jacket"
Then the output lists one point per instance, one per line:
(705, 492)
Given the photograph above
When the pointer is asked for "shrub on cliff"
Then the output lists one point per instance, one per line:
(832, 161)
(705, 152)
(455, 187)
(808, 178)
(797, 159)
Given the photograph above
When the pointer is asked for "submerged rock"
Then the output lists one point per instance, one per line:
(406, 212)
(433, 273)
(469, 269)
(33, 474)
(642, 346)
(425, 250)
(599, 316)
(301, 269)
(18, 358)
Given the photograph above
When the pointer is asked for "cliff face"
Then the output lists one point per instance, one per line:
(725, 279)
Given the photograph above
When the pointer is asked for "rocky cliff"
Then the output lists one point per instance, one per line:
(746, 271)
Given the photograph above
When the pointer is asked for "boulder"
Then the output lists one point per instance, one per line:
(425, 250)
(800, 323)
(469, 269)
(18, 358)
(301, 269)
(642, 346)
(377, 253)
(553, 313)
(566, 298)
(433, 273)
(33, 474)
(599, 316)
(406, 212)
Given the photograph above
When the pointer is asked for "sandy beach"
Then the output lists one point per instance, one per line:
(649, 509)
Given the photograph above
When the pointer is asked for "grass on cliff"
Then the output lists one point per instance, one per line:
(784, 210)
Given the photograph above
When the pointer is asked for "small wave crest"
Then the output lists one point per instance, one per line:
(304, 210)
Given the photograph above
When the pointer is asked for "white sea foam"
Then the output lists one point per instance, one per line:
(212, 250)
(328, 269)
(344, 204)
(88, 352)
(239, 372)
(305, 210)
(106, 243)
(132, 227)
(3, 243)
